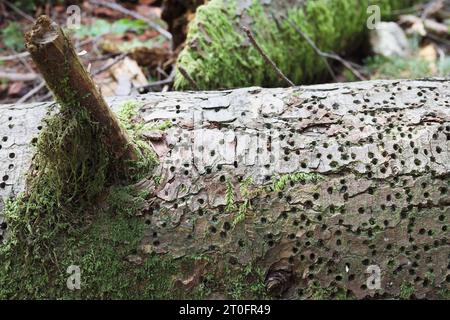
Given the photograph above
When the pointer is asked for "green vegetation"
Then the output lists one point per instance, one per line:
(128, 116)
(280, 183)
(245, 283)
(57, 222)
(229, 197)
(406, 68)
(444, 294)
(12, 36)
(317, 292)
(218, 49)
(406, 290)
(101, 27)
(28, 5)
(246, 197)
(397, 67)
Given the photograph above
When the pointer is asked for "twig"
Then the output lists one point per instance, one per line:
(31, 93)
(20, 12)
(432, 8)
(18, 76)
(46, 97)
(188, 77)
(15, 56)
(326, 55)
(266, 57)
(438, 39)
(110, 64)
(166, 81)
(26, 54)
(118, 7)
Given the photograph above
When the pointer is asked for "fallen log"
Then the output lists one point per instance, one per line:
(337, 190)
(218, 55)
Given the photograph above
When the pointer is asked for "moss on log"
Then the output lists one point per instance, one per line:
(218, 55)
(293, 193)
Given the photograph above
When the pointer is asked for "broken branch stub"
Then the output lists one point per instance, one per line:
(65, 75)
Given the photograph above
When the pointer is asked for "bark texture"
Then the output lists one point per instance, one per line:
(319, 185)
(218, 55)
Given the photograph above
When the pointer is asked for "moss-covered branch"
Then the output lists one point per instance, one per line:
(73, 87)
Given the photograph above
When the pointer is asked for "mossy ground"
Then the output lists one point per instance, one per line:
(216, 57)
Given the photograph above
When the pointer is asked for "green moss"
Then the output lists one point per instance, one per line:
(316, 292)
(100, 250)
(280, 183)
(444, 294)
(57, 223)
(218, 55)
(135, 126)
(229, 197)
(406, 290)
(164, 126)
(246, 194)
(240, 282)
(397, 67)
(99, 246)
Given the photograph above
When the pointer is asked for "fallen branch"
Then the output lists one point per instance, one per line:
(266, 57)
(431, 26)
(14, 76)
(326, 55)
(108, 65)
(15, 56)
(56, 59)
(188, 77)
(167, 81)
(31, 93)
(20, 12)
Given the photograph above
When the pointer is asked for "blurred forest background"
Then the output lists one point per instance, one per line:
(131, 46)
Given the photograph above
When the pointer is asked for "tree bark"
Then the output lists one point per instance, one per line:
(218, 55)
(317, 185)
(72, 85)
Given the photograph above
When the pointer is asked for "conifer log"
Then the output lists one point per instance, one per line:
(72, 86)
(318, 185)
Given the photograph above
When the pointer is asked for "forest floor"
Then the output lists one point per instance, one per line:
(119, 44)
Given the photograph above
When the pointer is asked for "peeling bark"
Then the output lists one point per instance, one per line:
(314, 184)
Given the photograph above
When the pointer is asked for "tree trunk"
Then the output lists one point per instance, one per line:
(317, 185)
(218, 55)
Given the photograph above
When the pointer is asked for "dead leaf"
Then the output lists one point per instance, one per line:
(151, 57)
(105, 12)
(127, 74)
(413, 24)
(429, 53)
(148, 11)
